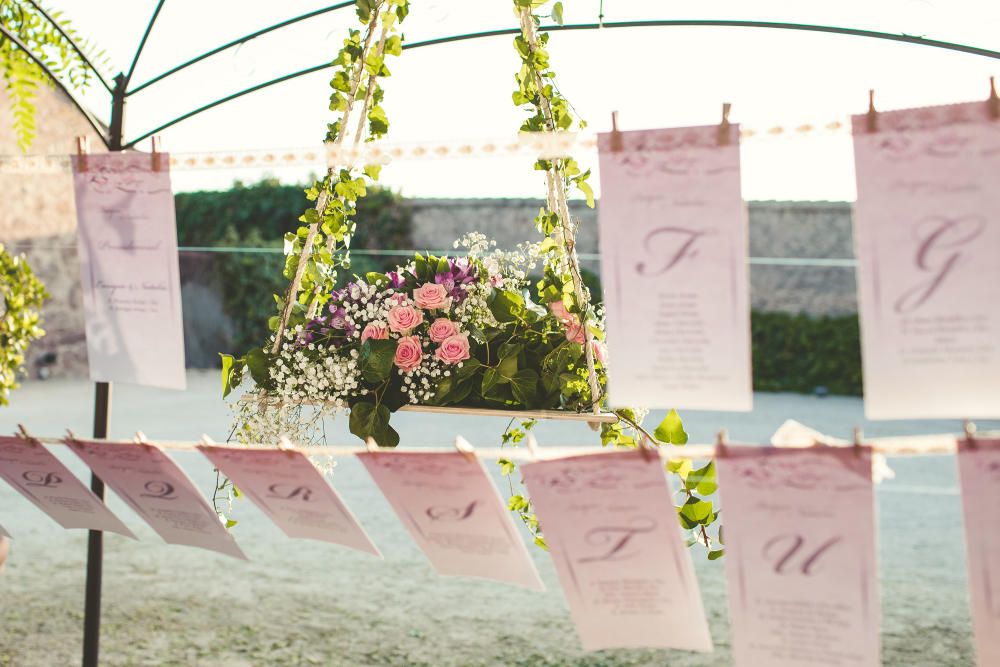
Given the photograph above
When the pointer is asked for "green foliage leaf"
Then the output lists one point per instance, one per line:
(671, 430)
(372, 421)
(376, 359)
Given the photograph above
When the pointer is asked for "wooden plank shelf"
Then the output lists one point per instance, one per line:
(553, 415)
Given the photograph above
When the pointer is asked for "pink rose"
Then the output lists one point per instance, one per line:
(431, 296)
(403, 319)
(442, 328)
(453, 349)
(558, 309)
(600, 352)
(574, 331)
(409, 354)
(374, 331)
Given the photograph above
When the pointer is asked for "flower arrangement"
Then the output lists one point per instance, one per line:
(466, 330)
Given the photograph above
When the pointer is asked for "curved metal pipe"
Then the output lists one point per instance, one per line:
(72, 43)
(94, 123)
(237, 42)
(872, 34)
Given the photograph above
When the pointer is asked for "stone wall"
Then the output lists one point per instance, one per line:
(778, 230)
(38, 218)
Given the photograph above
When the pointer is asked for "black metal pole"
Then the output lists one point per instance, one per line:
(102, 426)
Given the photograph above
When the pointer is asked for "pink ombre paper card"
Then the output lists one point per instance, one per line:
(609, 521)
(288, 488)
(927, 232)
(36, 473)
(673, 237)
(454, 513)
(160, 492)
(979, 472)
(800, 557)
(127, 244)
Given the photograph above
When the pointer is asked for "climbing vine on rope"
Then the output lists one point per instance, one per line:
(562, 287)
(47, 35)
(23, 295)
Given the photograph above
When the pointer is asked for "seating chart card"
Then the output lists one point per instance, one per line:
(454, 513)
(979, 472)
(927, 233)
(160, 492)
(36, 473)
(673, 237)
(288, 488)
(610, 523)
(800, 556)
(127, 243)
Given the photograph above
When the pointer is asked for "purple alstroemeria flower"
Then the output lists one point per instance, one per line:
(396, 279)
(460, 272)
(338, 318)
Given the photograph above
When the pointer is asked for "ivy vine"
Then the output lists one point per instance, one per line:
(549, 111)
(321, 245)
(20, 322)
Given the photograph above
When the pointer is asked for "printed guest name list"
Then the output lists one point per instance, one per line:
(927, 232)
(673, 264)
(127, 244)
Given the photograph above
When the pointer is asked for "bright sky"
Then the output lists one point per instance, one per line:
(654, 77)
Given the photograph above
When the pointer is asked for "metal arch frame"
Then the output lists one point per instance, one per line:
(803, 27)
(94, 122)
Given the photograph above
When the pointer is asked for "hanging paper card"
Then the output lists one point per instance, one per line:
(159, 492)
(288, 488)
(127, 244)
(674, 268)
(454, 513)
(979, 471)
(4, 533)
(800, 556)
(610, 524)
(928, 235)
(43, 479)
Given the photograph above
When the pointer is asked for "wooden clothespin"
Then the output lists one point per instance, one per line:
(465, 449)
(993, 102)
(82, 148)
(615, 142)
(156, 154)
(72, 440)
(532, 444)
(205, 440)
(721, 440)
(371, 445)
(725, 126)
(140, 439)
(24, 435)
(970, 433)
(858, 440)
(649, 451)
(285, 445)
(872, 113)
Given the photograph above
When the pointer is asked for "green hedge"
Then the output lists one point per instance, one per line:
(257, 216)
(800, 353)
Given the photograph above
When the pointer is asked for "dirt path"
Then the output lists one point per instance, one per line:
(307, 603)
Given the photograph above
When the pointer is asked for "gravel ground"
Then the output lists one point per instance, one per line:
(309, 603)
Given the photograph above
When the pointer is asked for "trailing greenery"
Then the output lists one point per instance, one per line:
(252, 217)
(22, 75)
(23, 295)
(800, 353)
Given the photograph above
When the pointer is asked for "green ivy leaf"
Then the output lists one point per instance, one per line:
(716, 554)
(524, 385)
(557, 13)
(671, 430)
